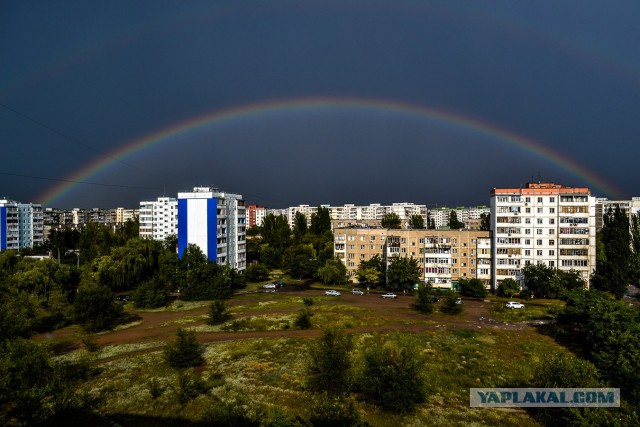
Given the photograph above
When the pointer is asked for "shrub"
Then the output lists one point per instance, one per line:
(95, 308)
(218, 313)
(329, 410)
(230, 414)
(90, 344)
(423, 299)
(508, 288)
(473, 288)
(329, 365)
(152, 293)
(155, 388)
(307, 301)
(449, 305)
(303, 321)
(185, 351)
(391, 377)
(257, 273)
(188, 386)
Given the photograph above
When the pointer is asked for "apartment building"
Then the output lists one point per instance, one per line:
(216, 222)
(603, 205)
(21, 225)
(444, 256)
(159, 218)
(542, 223)
(470, 216)
(256, 215)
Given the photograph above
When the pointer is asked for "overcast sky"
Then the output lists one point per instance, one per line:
(432, 102)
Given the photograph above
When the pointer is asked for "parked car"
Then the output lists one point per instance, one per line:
(280, 283)
(514, 304)
(357, 292)
(435, 299)
(269, 286)
(390, 295)
(459, 301)
(332, 293)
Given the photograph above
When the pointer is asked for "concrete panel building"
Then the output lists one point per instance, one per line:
(216, 222)
(444, 256)
(159, 218)
(542, 223)
(21, 225)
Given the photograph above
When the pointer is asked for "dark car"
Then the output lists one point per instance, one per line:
(435, 299)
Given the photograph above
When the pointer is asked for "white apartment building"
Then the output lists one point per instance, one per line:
(21, 225)
(123, 215)
(440, 216)
(216, 222)
(365, 214)
(542, 223)
(159, 218)
(603, 205)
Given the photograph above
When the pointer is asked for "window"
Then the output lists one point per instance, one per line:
(528, 210)
(552, 263)
(527, 242)
(539, 231)
(539, 252)
(362, 247)
(552, 253)
(552, 231)
(527, 252)
(539, 220)
(539, 210)
(552, 199)
(539, 242)
(527, 199)
(552, 210)
(552, 242)
(552, 221)
(539, 199)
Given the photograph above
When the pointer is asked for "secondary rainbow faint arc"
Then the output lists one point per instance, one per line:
(220, 116)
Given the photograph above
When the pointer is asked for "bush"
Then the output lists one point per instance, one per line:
(473, 288)
(303, 321)
(449, 305)
(231, 414)
(508, 288)
(152, 293)
(95, 308)
(185, 351)
(218, 313)
(257, 273)
(336, 411)
(391, 377)
(188, 386)
(423, 299)
(307, 301)
(329, 365)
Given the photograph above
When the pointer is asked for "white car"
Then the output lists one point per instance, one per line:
(390, 295)
(332, 293)
(357, 292)
(269, 286)
(514, 304)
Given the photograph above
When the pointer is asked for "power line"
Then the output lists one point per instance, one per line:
(70, 138)
(77, 182)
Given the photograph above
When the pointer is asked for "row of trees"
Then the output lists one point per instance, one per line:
(305, 252)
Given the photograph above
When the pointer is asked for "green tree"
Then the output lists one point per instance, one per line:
(391, 220)
(614, 272)
(95, 308)
(333, 272)
(508, 288)
(416, 222)
(450, 305)
(300, 226)
(403, 273)
(367, 269)
(392, 375)
(218, 312)
(257, 272)
(152, 293)
(473, 288)
(276, 232)
(424, 295)
(185, 351)
(549, 282)
(17, 314)
(321, 222)
(485, 221)
(635, 247)
(454, 223)
(331, 410)
(562, 370)
(330, 362)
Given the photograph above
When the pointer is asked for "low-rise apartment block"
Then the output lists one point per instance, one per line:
(444, 256)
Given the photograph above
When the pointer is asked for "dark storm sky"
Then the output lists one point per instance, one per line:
(80, 79)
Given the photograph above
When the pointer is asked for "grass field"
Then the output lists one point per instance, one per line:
(264, 375)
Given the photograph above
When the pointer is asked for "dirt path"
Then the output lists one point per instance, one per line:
(161, 326)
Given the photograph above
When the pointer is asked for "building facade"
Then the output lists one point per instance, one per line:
(216, 222)
(542, 223)
(255, 215)
(21, 225)
(159, 218)
(603, 205)
(444, 256)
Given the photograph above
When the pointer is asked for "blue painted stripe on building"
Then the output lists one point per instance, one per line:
(3, 228)
(212, 229)
(183, 238)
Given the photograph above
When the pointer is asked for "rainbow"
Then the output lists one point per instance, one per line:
(244, 112)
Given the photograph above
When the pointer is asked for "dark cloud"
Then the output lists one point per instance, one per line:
(105, 74)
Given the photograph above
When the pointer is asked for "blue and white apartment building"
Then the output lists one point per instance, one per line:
(21, 225)
(216, 222)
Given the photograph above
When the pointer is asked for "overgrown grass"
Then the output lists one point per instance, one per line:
(533, 310)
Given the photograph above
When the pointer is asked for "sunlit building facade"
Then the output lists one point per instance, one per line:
(21, 225)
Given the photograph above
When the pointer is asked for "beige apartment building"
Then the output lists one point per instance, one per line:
(444, 256)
